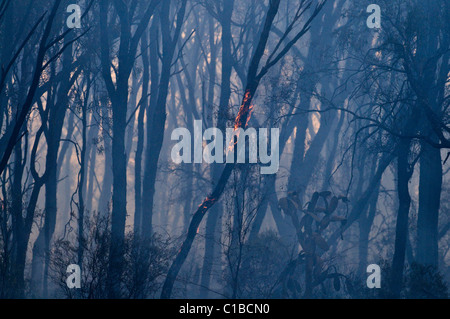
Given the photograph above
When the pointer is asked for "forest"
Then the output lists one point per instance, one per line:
(225, 149)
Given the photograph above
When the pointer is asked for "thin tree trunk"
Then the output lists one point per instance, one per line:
(140, 142)
(82, 175)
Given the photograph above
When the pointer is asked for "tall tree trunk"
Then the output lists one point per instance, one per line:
(92, 156)
(404, 173)
(430, 181)
(82, 174)
(103, 204)
(119, 195)
(158, 119)
(222, 115)
(140, 135)
(430, 184)
(17, 220)
(365, 225)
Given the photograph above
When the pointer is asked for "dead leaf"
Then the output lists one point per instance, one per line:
(333, 205)
(320, 241)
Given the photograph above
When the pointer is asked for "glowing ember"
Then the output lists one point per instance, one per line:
(242, 111)
(245, 109)
(207, 202)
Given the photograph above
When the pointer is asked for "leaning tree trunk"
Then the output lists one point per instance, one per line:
(241, 120)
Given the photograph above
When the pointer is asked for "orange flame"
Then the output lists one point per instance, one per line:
(250, 111)
(245, 109)
(207, 202)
